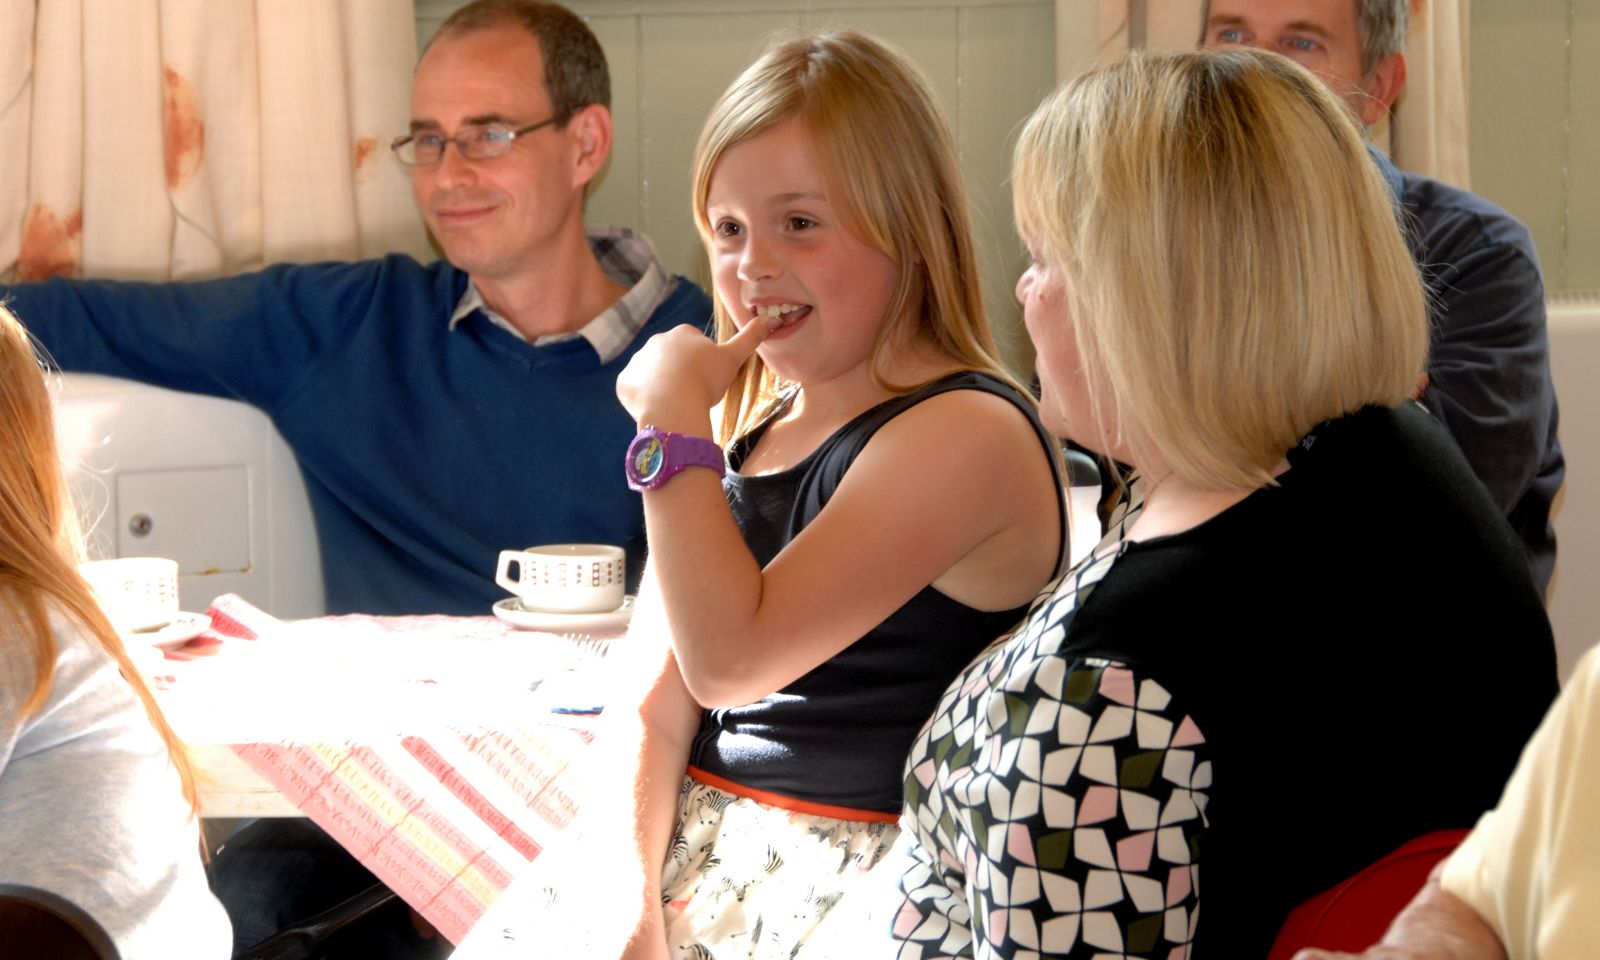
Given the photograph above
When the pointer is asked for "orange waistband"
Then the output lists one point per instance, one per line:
(790, 803)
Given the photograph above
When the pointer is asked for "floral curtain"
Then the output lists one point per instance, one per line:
(1427, 132)
(178, 139)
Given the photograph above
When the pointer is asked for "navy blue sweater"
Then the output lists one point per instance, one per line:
(425, 450)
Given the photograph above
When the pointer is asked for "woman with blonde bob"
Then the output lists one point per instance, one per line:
(890, 501)
(1274, 668)
(97, 799)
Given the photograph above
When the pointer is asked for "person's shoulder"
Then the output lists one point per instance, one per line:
(438, 273)
(1380, 430)
(405, 262)
(395, 278)
(391, 264)
(1384, 454)
(1585, 679)
(975, 447)
(79, 660)
(388, 268)
(78, 653)
(949, 388)
(1443, 209)
(684, 302)
(977, 380)
(1094, 635)
(1383, 469)
(1119, 639)
(967, 408)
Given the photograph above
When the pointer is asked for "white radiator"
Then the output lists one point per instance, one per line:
(207, 482)
(1574, 318)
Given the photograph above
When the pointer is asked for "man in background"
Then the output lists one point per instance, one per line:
(439, 412)
(1489, 361)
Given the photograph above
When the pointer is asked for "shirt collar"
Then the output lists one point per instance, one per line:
(628, 258)
(1391, 173)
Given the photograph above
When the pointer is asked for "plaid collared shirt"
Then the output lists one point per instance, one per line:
(628, 258)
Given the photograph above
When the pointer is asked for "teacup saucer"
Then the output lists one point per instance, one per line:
(183, 628)
(512, 611)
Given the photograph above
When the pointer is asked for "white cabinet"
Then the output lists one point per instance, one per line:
(198, 517)
(205, 481)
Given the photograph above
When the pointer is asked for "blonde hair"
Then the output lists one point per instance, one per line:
(890, 168)
(39, 544)
(1235, 265)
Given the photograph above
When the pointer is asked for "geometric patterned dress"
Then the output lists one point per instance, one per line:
(1054, 803)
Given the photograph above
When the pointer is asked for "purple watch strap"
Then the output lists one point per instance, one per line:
(656, 456)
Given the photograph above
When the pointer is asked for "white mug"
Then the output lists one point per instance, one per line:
(137, 593)
(565, 577)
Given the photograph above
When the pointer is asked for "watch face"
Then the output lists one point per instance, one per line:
(647, 459)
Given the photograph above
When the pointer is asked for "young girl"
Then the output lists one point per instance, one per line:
(890, 502)
(97, 803)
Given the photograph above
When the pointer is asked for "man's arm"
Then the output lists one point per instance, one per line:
(1435, 925)
(1489, 364)
(246, 337)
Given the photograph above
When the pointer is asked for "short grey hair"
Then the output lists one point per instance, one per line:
(1383, 26)
(575, 70)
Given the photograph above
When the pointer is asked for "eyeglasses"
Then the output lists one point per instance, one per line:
(475, 141)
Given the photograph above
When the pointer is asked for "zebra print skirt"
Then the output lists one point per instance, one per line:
(747, 880)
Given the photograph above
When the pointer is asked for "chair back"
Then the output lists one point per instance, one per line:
(305, 941)
(1353, 914)
(38, 923)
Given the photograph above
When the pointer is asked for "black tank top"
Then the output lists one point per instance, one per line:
(840, 734)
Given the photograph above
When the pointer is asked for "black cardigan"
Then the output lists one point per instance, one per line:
(1363, 648)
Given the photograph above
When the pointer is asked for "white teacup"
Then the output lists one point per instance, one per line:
(137, 593)
(565, 577)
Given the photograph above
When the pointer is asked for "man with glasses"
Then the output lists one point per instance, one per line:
(439, 412)
(1489, 360)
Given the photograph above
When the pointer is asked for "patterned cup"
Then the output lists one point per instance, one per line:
(564, 577)
(137, 593)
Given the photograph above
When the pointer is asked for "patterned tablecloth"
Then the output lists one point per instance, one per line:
(430, 747)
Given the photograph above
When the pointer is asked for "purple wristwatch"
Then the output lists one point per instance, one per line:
(656, 456)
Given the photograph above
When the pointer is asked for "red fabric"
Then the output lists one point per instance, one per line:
(790, 803)
(1353, 914)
